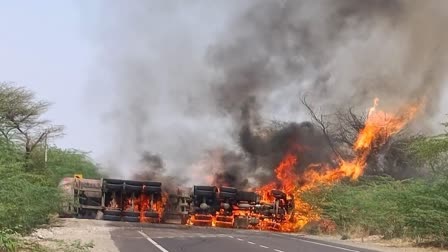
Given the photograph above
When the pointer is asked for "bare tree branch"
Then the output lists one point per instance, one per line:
(322, 123)
(20, 117)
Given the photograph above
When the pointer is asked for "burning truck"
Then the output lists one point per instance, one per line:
(229, 207)
(132, 201)
(145, 201)
(113, 199)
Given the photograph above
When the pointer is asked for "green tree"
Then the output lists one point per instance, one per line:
(21, 118)
(64, 163)
(28, 191)
(431, 152)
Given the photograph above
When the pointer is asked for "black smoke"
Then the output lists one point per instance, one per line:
(344, 53)
(151, 168)
(192, 77)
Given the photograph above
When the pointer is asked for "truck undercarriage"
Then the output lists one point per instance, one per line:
(144, 201)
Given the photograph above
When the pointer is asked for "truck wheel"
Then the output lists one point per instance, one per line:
(111, 217)
(114, 187)
(228, 195)
(228, 189)
(133, 188)
(204, 193)
(131, 219)
(152, 189)
(131, 214)
(114, 212)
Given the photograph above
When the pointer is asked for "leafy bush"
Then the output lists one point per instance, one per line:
(63, 163)
(9, 240)
(25, 204)
(29, 196)
(415, 209)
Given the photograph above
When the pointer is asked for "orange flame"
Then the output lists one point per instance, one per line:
(379, 127)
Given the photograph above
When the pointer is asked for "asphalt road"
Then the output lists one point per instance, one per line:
(172, 238)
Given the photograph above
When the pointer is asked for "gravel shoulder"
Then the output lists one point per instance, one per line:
(77, 234)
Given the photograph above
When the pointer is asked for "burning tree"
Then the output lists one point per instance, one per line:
(374, 132)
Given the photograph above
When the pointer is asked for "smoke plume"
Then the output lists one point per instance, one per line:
(151, 168)
(343, 53)
(198, 78)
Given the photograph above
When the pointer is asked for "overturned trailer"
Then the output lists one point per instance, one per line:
(203, 205)
(177, 206)
(245, 209)
(229, 207)
(275, 211)
(227, 199)
(132, 201)
(144, 201)
(82, 197)
(112, 199)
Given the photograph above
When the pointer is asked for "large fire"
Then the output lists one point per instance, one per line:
(379, 127)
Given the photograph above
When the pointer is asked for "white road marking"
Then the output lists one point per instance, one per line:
(251, 242)
(230, 236)
(153, 242)
(278, 250)
(263, 246)
(331, 246)
(239, 239)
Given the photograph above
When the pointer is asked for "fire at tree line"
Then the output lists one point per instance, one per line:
(276, 205)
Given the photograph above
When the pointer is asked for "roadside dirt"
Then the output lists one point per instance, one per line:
(376, 243)
(76, 235)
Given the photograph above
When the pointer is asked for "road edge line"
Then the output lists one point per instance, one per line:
(327, 245)
(152, 241)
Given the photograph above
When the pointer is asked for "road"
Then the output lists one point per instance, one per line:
(172, 238)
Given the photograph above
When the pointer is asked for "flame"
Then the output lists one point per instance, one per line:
(379, 127)
(142, 204)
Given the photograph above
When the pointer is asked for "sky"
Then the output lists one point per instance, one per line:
(45, 48)
(51, 47)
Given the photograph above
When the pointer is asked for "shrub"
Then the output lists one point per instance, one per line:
(415, 209)
(9, 240)
(25, 204)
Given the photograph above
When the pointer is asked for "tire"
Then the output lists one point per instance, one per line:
(131, 214)
(228, 195)
(132, 188)
(134, 182)
(112, 212)
(151, 214)
(228, 189)
(131, 219)
(152, 189)
(113, 181)
(114, 187)
(112, 217)
(206, 188)
(207, 191)
(154, 184)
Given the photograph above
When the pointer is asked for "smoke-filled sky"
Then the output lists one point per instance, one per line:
(172, 77)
